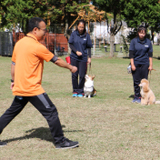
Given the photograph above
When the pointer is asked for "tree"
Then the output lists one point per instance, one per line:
(114, 7)
(134, 12)
(65, 12)
(138, 11)
(19, 11)
(53, 11)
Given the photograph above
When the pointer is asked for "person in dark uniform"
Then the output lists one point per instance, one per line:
(140, 53)
(80, 44)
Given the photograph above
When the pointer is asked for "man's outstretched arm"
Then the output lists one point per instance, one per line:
(61, 63)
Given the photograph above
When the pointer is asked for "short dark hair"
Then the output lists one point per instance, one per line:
(34, 22)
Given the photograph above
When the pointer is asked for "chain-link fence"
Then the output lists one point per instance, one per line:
(6, 43)
(56, 43)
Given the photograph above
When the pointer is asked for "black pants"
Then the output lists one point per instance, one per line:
(43, 104)
(140, 73)
(82, 68)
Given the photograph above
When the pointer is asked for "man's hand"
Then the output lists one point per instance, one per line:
(12, 85)
(73, 69)
(61, 63)
(78, 53)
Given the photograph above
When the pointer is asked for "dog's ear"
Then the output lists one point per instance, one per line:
(93, 78)
(145, 87)
(86, 76)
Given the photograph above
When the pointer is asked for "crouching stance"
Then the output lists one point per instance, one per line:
(26, 71)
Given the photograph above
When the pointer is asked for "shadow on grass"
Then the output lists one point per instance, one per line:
(131, 96)
(126, 57)
(42, 133)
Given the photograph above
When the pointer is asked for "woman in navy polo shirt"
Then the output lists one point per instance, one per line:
(80, 44)
(140, 53)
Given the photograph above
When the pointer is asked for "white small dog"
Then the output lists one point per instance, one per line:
(89, 89)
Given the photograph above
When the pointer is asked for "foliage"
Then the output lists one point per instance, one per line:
(132, 34)
(134, 12)
(142, 11)
(54, 11)
(138, 11)
(19, 11)
(65, 12)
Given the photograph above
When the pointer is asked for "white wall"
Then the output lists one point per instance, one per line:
(101, 31)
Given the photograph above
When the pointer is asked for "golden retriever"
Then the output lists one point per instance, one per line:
(147, 95)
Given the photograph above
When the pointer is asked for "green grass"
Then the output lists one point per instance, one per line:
(156, 49)
(108, 126)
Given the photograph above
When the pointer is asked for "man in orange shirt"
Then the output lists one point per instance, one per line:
(26, 71)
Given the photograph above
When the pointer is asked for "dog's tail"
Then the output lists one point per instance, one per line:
(157, 102)
(94, 92)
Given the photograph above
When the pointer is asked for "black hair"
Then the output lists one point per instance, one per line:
(141, 28)
(34, 22)
(82, 21)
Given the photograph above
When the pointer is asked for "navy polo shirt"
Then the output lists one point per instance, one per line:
(141, 50)
(81, 43)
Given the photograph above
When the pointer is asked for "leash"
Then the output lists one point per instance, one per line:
(90, 71)
(150, 75)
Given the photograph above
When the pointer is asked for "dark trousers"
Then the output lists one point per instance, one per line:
(43, 104)
(82, 68)
(140, 73)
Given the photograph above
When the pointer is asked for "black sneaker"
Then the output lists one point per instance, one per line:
(66, 143)
(2, 144)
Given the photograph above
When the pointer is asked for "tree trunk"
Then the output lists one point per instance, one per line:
(112, 39)
(66, 33)
(152, 34)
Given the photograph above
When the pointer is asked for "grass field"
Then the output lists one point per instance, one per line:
(108, 126)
